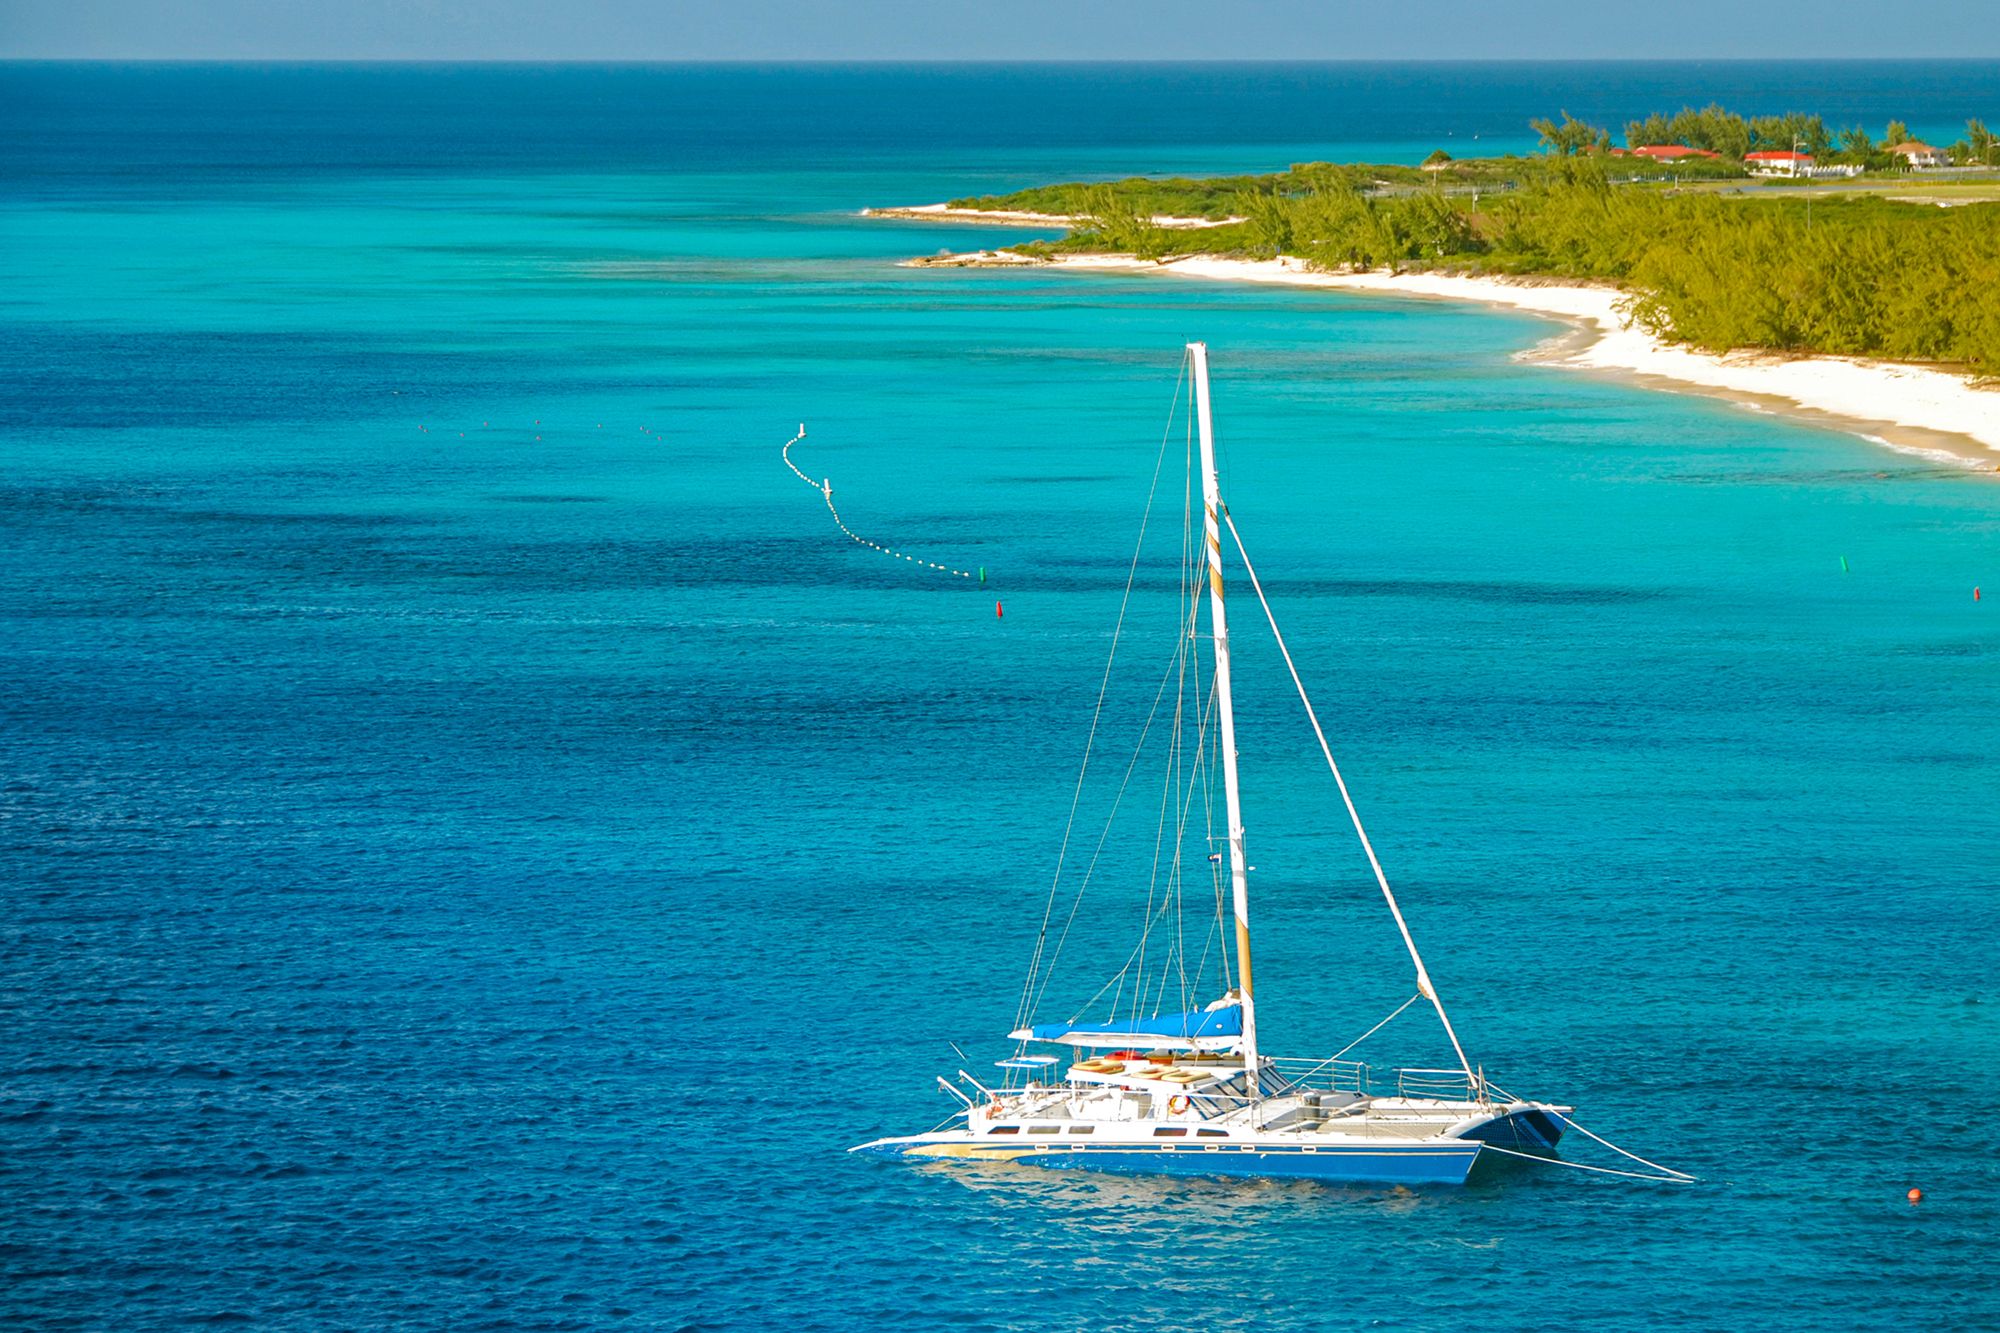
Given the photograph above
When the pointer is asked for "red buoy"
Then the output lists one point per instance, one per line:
(997, 612)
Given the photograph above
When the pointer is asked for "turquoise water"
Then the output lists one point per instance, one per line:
(480, 844)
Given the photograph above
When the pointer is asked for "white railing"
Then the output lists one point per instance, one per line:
(1445, 1085)
(1324, 1076)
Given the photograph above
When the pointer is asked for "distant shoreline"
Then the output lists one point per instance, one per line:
(1911, 409)
(1014, 217)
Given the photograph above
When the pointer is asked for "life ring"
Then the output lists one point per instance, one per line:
(1178, 1103)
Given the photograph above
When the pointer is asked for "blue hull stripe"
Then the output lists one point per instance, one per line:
(1425, 1167)
(1443, 1164)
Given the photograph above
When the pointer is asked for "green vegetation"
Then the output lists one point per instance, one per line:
(1571, 136)
(1722, 131)
(1725, 132)
(1979, 145)
(1221, 197)
(1855, 275)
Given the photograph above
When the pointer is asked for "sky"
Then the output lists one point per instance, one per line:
(667, 30)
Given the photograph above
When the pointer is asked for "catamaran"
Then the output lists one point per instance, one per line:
(1193, 1092)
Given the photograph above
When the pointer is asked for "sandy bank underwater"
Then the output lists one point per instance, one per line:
(1910, 408)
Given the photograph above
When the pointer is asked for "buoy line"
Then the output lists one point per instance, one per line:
(825, 488)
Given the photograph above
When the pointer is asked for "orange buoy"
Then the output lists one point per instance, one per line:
(1916, 1196)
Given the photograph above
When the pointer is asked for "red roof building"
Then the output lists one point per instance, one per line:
(1773, 162)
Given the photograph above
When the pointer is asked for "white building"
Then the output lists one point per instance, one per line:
(1775, 163)
(1917, 156)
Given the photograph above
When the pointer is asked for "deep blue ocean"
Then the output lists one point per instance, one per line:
(479, 844)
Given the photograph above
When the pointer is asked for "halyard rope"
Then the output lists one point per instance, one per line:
(825, 488)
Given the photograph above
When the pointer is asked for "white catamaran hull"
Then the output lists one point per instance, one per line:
(1445, 1163)
(1376, 1151)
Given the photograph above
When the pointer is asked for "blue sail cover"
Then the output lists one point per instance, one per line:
(1198, 1025)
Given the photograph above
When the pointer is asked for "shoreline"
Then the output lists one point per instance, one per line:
(1911, 409)
(1014, 217)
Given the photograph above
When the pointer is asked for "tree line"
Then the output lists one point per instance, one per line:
(1722, 131)
(1858, 276)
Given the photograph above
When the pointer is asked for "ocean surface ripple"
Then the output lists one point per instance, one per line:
(479, 845)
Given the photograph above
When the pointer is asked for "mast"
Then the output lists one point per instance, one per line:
(1239, 878)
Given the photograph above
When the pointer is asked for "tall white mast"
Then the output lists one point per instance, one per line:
(1239, 878)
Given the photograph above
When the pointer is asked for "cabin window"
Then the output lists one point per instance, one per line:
(1212, 1133)
(1006, 1129)
(1170, 1132)
(1083, 1129)
(1045, 1129)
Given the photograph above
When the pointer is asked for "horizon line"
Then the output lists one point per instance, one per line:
(926, 61)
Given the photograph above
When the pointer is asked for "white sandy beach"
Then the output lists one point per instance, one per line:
(1014, 217)
(1911, 408)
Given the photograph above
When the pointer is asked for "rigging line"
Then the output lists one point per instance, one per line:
(1197, 779)
(1117, 978)
(1153, 891)
(1615, 1148)
(1676, 1178)
(1210, 755)
(1169, 786)
(1377, 1028)
(1180, 781)
(1203, 782)
(1424, 985)
(1169, 810)
(1097, 853)
(1190, 681)
(1165, 893)
(825, 488)
(1153, 916)
(1147, 925)
(1178, 951)
(1097, 713)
